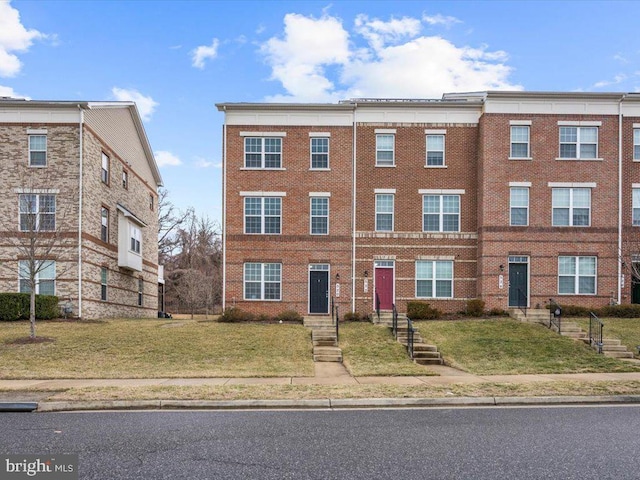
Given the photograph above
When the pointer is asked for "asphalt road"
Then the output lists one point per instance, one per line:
(470, 443)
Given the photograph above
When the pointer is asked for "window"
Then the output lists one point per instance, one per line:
(434, 279)
(125, 179)
(579, 142)
(384, 212)
(319, 153)
(45, 277)
(262, 281)
(385, 150)
(435, 150)
(519, 200)
(319, 216)
(441, 213)
(571, 207)
(135, 235)
(577, 275)
(104, 228)
(151, 201)
(140, 291)
(37, 212)
(519, 141)
(262, 152)
(104, 171)
(37, 150)
(263, 215)
(103, 284)
(636, 143)
(636, 207)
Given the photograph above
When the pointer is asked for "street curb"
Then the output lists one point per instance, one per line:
(18, 406)
(340, 404)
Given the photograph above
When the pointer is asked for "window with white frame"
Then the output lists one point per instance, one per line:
(262, 281)
(434, 279)
(319, 215)
(37, 212)
(519, 206)
(125, 179)
(37, 150)
(441, 213)
(384, 212)
(435, 150)
(103, 283)
(319, 153)
(45, 276)
(385, 147)
(135, 236)
(579, 142)
(104, 170)
(576, 275)
(262, 152)
(104, 227)
(636, 143)
(571, 207)
(520, 141)
(263, 215)
(636, 207)
(140, 291)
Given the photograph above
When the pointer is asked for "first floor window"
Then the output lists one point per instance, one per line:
(571, 207)
(135, 238)
(103, 284)
(441, 213)
(104, 227)
(384, 212)
(140, 291)
(319, 216)
(37, 150)
(263, 215)
(37, 212)
(434, 279)
(262, 281)
(636, 207)
(45, 276)
(577, 275)
(519, 206)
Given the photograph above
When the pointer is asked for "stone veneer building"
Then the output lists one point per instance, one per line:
(511, 197)
(85, 173)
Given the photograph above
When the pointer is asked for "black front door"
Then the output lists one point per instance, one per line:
(635, 290)
(318, 292)
(518, 291)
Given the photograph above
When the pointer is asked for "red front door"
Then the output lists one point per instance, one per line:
(384, 287)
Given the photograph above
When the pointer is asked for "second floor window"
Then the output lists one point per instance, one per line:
(263, 215)
(319, 153)
(104, 170)
(135, 235)
(441, 213)
(384, 212)
(37, 212)
(319, 216)
(571, 207)
(385, 144)
(104, 227)
(519, 200)
(262, 152)
(636, 207)
(37, 150)
(125, 179)
(579, 142)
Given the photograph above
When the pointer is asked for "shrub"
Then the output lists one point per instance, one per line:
(16, 306)
(422, 311)
(263, 317)
(475, 307)
(289, 316)
(233, 315)
(626, 310)
(574, 310)
(355, 317)
(498, 312)
(47, 307)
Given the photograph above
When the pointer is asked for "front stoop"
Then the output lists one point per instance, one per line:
(534, 315)
(423, 353)
(323, 337)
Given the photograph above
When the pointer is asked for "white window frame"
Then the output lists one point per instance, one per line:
(577, 274)
(571, 207)
(263, 216)
(316, 150)
(635, 210)
(104, 279)
(34, 150)
(433, 150)
(135, 239)
(125, 179)
(579, 142)
(520, 141)
(441, 213)
(105, 169)
(313, 200)
(384, 149)
(636, 144)
(140, 291)
(34, 208)
(262, 281)
(41, 276)
(512, 206)
(262, 152)
(104, 224)
(432, 272)
(379, 197)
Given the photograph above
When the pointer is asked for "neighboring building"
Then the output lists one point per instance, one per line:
(86, 173)
(511, 197)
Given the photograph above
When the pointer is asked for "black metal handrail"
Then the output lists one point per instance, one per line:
(378, 305)
(410, 335)
(595, 332)
(555, 315)
(335, 317)
(522, 301)
(394, 322)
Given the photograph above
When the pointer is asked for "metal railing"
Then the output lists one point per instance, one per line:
(378, 305)
(394, 322)
(522, 301)
(410, 336)
(335, 317)
(595, 332)
(555, 315)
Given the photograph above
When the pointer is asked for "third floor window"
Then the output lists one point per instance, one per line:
(262, 152)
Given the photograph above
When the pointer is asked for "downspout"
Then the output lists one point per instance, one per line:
(353, 213)
(224, 210)
(620, 253)
(80, 192)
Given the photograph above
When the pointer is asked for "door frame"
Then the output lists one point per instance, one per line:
(517, 259)
(319, 267)
(384, 264)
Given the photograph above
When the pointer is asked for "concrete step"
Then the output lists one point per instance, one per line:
(618, 354)
(327, 358)
(327, 354)
(611, 341)
(575, 335)
(429, 361)
(614, 348)
(325, 343)
(424, 354)
(423, 347)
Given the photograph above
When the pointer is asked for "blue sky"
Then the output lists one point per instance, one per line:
(176, 59)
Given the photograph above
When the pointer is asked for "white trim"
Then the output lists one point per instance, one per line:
(579, 123)
(385, 130)
(519, 184)
(635, 185)
(636, 125)
(520, 123)
(43, 191)
(523, 158)
(436, 257)
(571, 185)
(385, 190)
(263, 134)
(428, 131)
(263, 194)
(574, 159)
(437, 191)
(248, 169)
(130, 215)
(36, 131)
(319, 194)
(320, 134)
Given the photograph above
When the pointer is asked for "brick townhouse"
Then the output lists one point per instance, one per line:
(511, 197)
(85, 175)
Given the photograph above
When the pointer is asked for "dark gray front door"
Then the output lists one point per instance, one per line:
(518, 273)
(318, 292)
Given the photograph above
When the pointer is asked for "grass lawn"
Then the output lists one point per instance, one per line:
(492, 347)
(155, 349)
(627, 330)
(370, 350)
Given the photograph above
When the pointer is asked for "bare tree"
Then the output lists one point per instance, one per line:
(169, 221)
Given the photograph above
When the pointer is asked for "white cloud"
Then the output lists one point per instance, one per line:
(204, 52)
(14, 37)
(617, 79)
(204, 163)
(166, 159)
(318, 60)
(10, 92)
(439, 19)
(146, 105)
